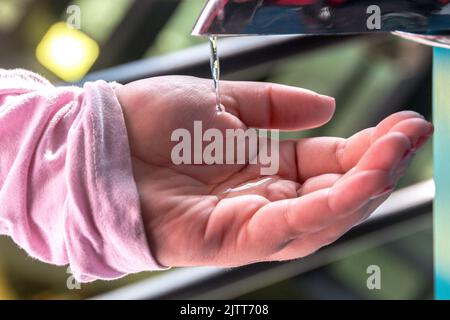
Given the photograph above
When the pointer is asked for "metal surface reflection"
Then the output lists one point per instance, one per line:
(321, 17)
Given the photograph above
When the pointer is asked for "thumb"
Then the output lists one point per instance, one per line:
(268, 105)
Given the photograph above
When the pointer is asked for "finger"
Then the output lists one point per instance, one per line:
(266, 105)
(417, 130)
(310, 243)
(337, 155)
(331, 155)
(380, 161)
(281, 221)
(387, 154)
(389, 122)
(317, 183)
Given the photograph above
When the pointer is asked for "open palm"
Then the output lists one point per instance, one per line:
(201, 214)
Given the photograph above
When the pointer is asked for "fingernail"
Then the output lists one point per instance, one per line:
(384, 192)
(404, 163)
(328, 99)
(421, 141)
(407, 161)
(407, 154)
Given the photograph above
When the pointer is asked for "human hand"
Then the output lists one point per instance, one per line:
(323, 188)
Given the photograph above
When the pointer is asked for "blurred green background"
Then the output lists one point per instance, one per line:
(361, 74)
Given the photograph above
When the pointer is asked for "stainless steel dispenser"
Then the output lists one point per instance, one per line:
(426, 21)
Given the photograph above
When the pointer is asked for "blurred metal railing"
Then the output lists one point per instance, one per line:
(236, 54)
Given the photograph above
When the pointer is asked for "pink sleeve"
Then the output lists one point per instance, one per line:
(67, 194)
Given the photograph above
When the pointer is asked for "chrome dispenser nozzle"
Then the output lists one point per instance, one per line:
(426, 21)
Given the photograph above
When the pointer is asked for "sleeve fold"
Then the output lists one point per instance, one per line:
(67, 193)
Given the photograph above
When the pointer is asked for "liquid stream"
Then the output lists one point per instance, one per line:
(215, 72)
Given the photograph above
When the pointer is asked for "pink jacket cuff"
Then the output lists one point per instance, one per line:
(67, 193)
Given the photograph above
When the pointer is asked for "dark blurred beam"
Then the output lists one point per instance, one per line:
(139, 28)
(236, 54)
